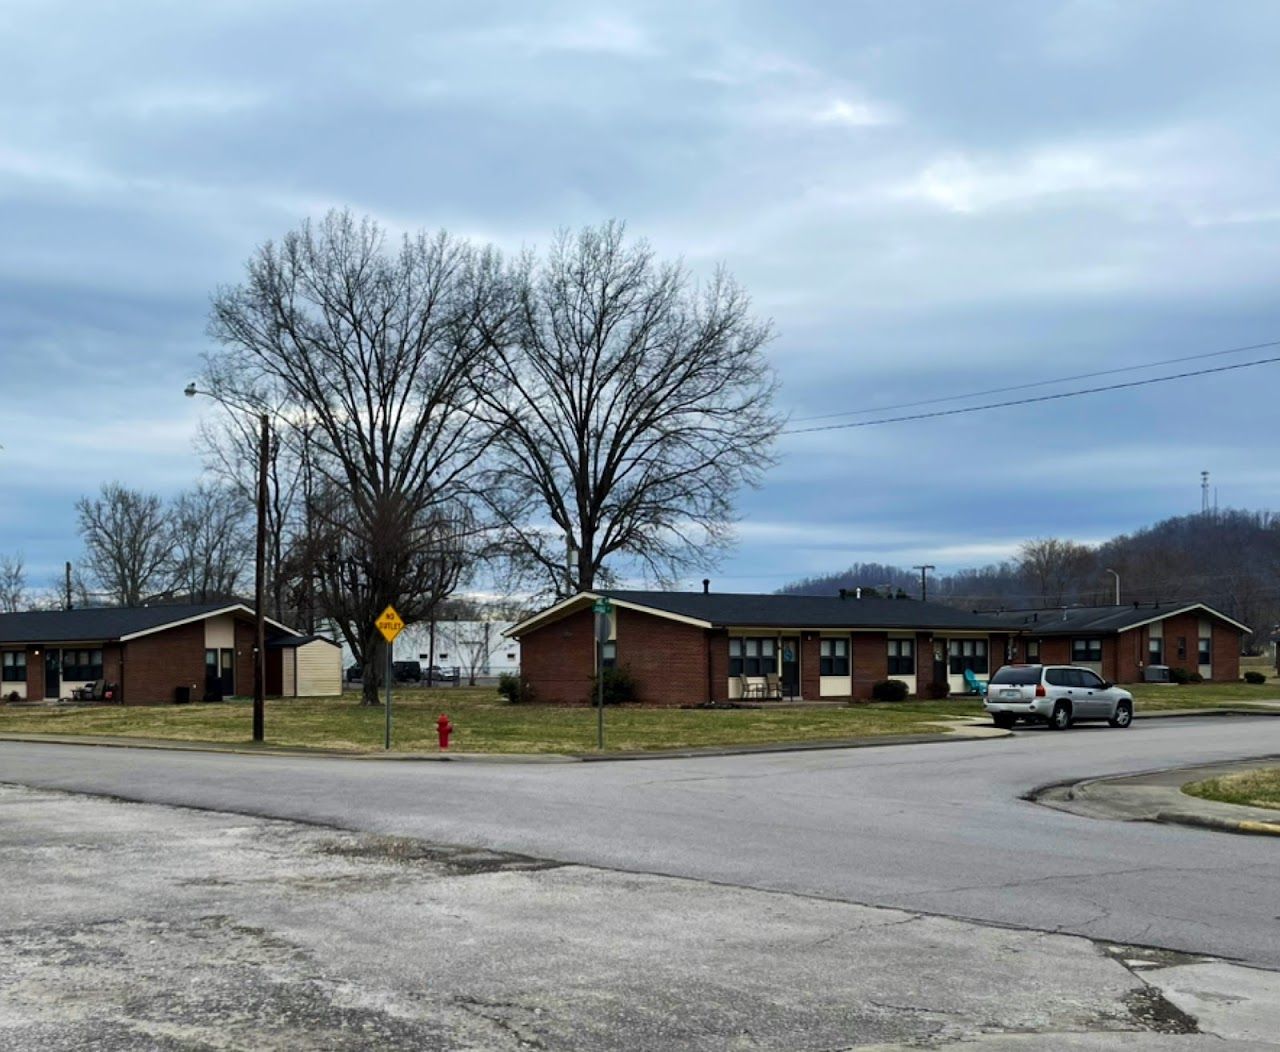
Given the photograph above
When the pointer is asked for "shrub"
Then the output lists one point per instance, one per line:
(515, 689)
(1194, 677)
(1255, 678)
(1179, 675)
(937, 691)
(12, 696)
(619, 686)
(889, 690)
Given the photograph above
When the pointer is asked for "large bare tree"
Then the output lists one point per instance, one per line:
(126, 542)
(1056, 568)
(378, 346)
(631, 406)
(209, 541)
(13, 583)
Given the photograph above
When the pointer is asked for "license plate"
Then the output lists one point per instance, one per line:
(1011, 694)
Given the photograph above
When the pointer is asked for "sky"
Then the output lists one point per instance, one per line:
(927, 199)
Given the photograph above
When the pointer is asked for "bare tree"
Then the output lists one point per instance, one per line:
(1056, 568)
(631, 407)
(13, 583)
(209, 542)
(380, 349)
(126, 542)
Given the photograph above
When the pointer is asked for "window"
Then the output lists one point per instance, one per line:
(1059, 677)
(1089, 679)
(609, 654)
(1017, 676)
(902, 657)
(81, 664)
(1206, 650)
(752, 657)
(834, 657)
(1155, 651)
(968, 654)
(1033, 650)
(14, 666)
(1086, 650)
(1182, 648)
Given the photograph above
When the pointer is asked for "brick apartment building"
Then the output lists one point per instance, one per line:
(685, 648)
(157, 654)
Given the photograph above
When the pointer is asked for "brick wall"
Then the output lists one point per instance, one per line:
(870, 662)
(1130, 656)
(667, 658)
(558, 660)
(810, 666)
(1226, 653)
(1187, 628)
(154, 665)
(35, 673)
(112, 659)
(1055, 650)
(924, 663)
(718, 642)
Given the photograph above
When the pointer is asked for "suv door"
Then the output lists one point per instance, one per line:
(1097, 700)
(1059, 683)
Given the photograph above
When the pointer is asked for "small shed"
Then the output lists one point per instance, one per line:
(304, 667)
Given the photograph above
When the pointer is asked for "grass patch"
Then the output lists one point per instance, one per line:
(1252, 788)
(483, 723)
(1156, 696)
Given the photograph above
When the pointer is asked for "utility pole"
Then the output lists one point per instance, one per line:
(924, 580)
(1204, 493)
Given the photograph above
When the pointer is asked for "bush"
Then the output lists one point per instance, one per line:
(514, 689)
(619, 686)
(12, 696)
(937, 691)
(1179, 675)
(1195, 677)
(1256, 678)
(889, 690)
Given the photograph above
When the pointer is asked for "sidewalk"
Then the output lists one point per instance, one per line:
(1158, 797)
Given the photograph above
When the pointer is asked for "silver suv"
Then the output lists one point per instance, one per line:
(1057, 694)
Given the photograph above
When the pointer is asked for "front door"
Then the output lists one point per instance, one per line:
(940, 668)
(790, 655)
(52, 673)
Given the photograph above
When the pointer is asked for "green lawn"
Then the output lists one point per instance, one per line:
(483, 723)
(1254, 788)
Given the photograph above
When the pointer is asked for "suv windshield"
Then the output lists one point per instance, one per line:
(1018, 675)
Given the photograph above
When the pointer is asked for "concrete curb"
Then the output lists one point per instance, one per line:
(1224, 825)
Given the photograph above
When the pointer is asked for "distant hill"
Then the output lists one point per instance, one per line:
(1228, 559)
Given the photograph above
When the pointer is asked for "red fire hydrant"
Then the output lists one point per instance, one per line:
(443, 729)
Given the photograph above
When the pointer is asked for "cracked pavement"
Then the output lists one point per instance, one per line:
(131, 926)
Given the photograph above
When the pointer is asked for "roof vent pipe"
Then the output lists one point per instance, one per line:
(857, 593)
(706, 586)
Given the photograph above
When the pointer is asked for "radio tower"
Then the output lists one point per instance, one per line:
(1204, 493)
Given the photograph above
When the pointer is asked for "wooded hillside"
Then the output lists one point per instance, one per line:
(1228, 559)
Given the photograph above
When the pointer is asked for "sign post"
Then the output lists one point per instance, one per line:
(603, 608)
(390, 625)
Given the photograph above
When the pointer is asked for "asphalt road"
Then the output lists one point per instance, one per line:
(934, 828)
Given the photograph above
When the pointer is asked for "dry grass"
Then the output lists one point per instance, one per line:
(1252, 788)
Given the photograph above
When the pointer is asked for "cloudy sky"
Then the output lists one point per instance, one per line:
(928, 198)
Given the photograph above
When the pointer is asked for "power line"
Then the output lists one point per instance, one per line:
(1040, 383)
(1030, 401)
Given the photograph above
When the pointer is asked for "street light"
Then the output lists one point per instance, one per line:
(1117, 577)
(259, 599)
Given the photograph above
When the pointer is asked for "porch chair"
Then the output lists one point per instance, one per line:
(95, 691)
(747, 689)
(772, 686)
(975, 685)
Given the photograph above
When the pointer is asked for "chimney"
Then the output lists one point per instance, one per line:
(706, 586)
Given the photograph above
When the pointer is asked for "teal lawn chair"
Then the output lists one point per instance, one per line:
(975, 685)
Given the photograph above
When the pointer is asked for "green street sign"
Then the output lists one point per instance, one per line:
(602, 606)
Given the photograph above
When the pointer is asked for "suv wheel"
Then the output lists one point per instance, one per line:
(1003, 719)
(1060, 718)
(1123, 715)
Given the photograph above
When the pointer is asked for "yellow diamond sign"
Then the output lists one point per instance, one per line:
(389, 624)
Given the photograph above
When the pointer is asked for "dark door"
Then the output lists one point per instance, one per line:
(228, 678)
(790, 655)
(212, 684)
(52, 673)
(940, 670)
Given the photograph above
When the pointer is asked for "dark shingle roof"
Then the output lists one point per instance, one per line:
(804, 611)
(1102, 619)
(287, 642)
(95, 623)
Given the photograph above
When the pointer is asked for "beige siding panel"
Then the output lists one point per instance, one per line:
(835, 686)
(220, 632)
(288, 672)
(319, 672)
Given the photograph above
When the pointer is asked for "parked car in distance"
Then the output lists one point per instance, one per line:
(1058, 695)
(406, 671)
(354, 673)
(439, 674)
